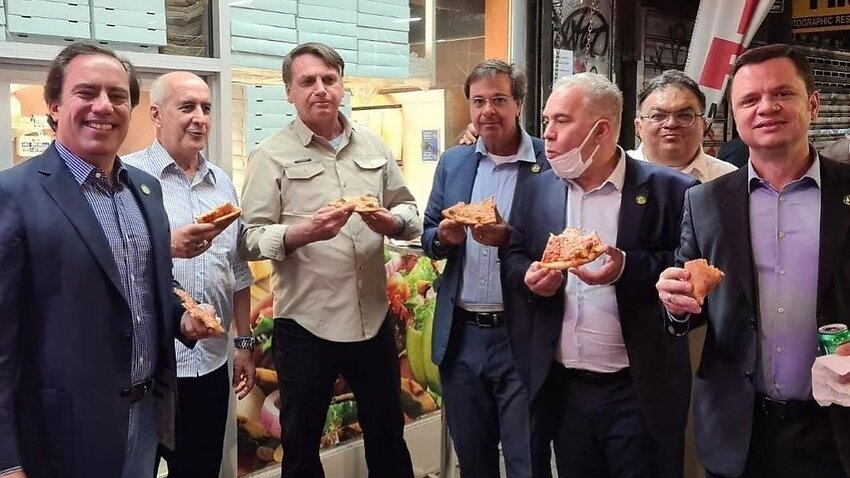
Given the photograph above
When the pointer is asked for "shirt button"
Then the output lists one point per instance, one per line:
(781, 234)
(138, 319)
(98, 175)
(782, 271)
(141, 360)
(779, 349)
(781, 310)
(484, 252)
(781, 198)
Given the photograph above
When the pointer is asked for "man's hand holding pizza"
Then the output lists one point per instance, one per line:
(383, 222)
(543, 281)
(451, 232)
(606, 274)
(495, 235)
(676, 292)
(324, 224)
(193, 239)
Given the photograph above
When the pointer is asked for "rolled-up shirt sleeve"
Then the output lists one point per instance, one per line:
(262, 235)
(399, 200)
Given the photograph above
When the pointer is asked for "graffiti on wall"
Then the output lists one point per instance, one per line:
(584, 27)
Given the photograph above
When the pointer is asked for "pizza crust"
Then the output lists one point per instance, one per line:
(570, 249)
(361, 203)
(221, 215)
(475, 214)
(198, 312)
(704, 278)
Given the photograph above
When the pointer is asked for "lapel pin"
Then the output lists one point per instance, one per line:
(145, 189)
(536, 169)
(847, 200)
(641, 199)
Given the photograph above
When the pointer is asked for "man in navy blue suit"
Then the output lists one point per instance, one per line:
(87, 313)
(485, 402)
(605, 381)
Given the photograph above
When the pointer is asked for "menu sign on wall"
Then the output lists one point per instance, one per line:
(820, 16)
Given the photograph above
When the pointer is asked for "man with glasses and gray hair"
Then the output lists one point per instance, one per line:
(485, 401)
(671, 126)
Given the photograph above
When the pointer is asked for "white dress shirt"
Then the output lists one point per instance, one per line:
(703, 168)
(213, 276)
(591, 336)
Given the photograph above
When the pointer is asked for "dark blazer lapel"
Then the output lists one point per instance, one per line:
(834, 223)
(735, 223)
(555, 201)
(467, 171)
(633, 204)
(61, 186)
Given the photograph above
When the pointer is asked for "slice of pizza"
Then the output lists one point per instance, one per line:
(221, 215)
(571, 248)
(478, 213)
(361, 203)
(704, 277)
(197, 311)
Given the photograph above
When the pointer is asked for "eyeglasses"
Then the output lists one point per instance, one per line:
(682, 118)
(479, 102)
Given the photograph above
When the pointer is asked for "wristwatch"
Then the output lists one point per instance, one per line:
(245, 342)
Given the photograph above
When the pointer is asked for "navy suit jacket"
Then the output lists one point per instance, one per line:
(453, 183)
(716, 227)
(65, 326)
(648, 232)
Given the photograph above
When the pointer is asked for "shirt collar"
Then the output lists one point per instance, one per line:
(82, 170)
(305, 134)
(524, 153)
(161, 160)
(699, 163)
(813, 173)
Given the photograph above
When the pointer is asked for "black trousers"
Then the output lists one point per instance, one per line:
(307, 367)
(201, 420)
(796, 447)
(597, 428)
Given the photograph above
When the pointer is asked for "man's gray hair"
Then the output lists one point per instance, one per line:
(601, 95)
(159, 93)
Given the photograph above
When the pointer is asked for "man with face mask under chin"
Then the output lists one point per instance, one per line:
(606, 382)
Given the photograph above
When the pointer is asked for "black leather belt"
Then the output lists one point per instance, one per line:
(787, 408)
(137, 391)
(588, 376)
(481, 319)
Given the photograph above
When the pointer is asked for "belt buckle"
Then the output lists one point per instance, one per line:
(489, 317)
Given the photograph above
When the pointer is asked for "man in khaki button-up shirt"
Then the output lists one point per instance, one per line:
(328, 270)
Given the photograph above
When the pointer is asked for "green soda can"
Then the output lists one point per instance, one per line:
(831, 336)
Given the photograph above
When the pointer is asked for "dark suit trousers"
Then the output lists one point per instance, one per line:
(485, 403)
(596, 425)
(307, 368)
(201, 419)
(799, 447)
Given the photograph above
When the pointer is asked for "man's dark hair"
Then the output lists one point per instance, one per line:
(675, 79)
(778, 50)
(326, 53)
(59, 68)
(491, 68)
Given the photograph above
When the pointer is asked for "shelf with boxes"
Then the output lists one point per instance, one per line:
(121, 24)
(370, 35)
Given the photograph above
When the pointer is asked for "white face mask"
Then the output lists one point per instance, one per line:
(571, 164)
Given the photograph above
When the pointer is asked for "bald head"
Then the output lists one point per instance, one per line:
(180, 110)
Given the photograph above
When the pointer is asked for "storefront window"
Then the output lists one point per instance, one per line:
(174, 27)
